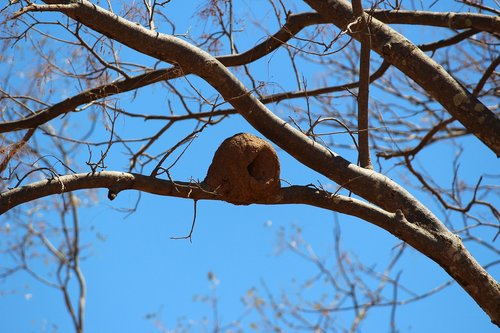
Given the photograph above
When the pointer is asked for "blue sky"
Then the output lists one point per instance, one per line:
(134, 271)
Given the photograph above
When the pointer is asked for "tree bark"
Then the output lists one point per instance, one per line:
(414, 63)
(444, 248)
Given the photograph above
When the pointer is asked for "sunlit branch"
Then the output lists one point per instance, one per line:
(437, 19)
(414, 63)
(116, 182)
(294, 24)
(360, 27)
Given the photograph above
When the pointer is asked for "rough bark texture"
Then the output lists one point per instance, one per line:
(439, 19)
(116, 182)
(413, 62)
(245, 169)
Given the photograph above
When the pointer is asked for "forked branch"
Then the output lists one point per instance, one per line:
(431, 76)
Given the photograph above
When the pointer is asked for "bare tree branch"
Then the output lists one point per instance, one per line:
(361, 28)
(400, 52)
(446, 20)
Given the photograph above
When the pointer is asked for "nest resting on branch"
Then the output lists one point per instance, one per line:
(245, 169)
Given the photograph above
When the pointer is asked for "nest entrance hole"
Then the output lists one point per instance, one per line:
(259, 167)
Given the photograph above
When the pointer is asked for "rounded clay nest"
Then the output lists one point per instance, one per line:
(245, 169)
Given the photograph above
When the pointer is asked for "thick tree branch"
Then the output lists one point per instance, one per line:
(117, 182)
(445, 248)
(451, 20)
(294, 24)
(93, 94)
(431, 76)
(190, 59)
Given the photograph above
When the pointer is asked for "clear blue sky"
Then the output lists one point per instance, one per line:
(133, 269)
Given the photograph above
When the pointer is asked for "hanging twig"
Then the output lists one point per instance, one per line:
(190, 235)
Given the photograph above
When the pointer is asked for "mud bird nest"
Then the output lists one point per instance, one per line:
(245, 169)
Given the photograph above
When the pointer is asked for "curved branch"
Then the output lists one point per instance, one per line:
(116, 182)
(70, 104)
(293, 25)
(482, 22)
(159, 75)
(444, 248)
(414, 63)
(446, 20)
(449, 41)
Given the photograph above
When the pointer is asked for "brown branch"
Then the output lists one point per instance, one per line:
(70, 104)
(116, 182)
(448, 41)
(424, 142)
(446, 20)
(294, 24)
(445, 248)
(363, 31)
(14, 148)
(486, 75)
(414, 63)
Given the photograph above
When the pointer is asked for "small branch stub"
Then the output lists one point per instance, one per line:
(111, 195)
(245, 169)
